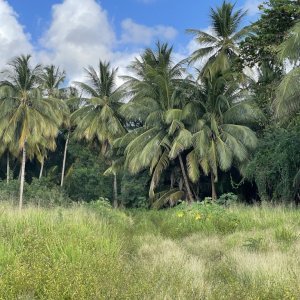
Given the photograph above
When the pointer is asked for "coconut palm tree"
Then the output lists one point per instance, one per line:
(221, 137)
(98, 119)
(287, 102)
(26, 118)
(158, 100)
(73, 100)
(51, 79)
(220, 46)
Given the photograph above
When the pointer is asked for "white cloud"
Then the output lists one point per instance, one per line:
(13, 40)
(134, 33)
(80, 34)
(252, 6)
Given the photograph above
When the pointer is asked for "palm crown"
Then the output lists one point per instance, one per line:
(98, 118)
(220, 47)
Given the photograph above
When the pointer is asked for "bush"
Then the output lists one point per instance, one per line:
(275, 164)
(134, 190)
(40, 192)
(227, 199)
(85, 180)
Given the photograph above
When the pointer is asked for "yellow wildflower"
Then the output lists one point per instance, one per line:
(180, 214)
(197, 216)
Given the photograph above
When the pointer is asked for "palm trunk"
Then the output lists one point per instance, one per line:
(186, 182)
(64, 160)
(213, 186)
(115, 191)
(7, 168)
(42, 169)
(22, 177)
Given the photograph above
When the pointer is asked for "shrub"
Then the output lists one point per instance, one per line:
(275, 164)
(40, 192)
(227, 199)
(134, 190)
(103, 208)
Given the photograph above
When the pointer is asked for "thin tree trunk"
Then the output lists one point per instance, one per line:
(64, 160)
(42, 169)
(172, 179)
(22, 177)
(115, 191)
(213, 186)
(186, 182)
(7, 168)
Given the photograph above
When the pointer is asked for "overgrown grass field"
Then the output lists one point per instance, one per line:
(189, 252)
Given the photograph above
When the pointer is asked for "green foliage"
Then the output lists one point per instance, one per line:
(262, 47)
(104, 210)
(221, 46)
(186, 219)
(227, 199)
(134, 192)
(98, 118)
(40, 192)
(275, 164)
(277, 17)
(85, 180)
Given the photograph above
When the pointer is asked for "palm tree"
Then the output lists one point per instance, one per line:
(287, 104)
(221, 135)
(26, 118)
(73, 100)
(157, 100)
(51, 79)
(98, 119)
(287, 101)
(220, 47)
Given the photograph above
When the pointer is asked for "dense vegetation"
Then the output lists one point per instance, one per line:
(223, 120)
(199, 251)
(206, 136)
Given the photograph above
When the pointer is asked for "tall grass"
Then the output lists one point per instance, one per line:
(198, 252)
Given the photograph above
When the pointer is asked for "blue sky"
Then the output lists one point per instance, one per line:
(74, 33)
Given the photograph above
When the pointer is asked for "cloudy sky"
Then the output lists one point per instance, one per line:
(77, 33)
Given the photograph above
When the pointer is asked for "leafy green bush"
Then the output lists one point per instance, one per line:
(134, 190)
(275, 164)
(40, 192)
(10, 192)
(85, 180)
(227, 199)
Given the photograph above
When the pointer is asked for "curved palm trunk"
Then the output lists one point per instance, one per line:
(186, 182)
(42, 169)
(115, 191)
(7, 168)
(22, 177)
(64, 160)
(213, 186)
